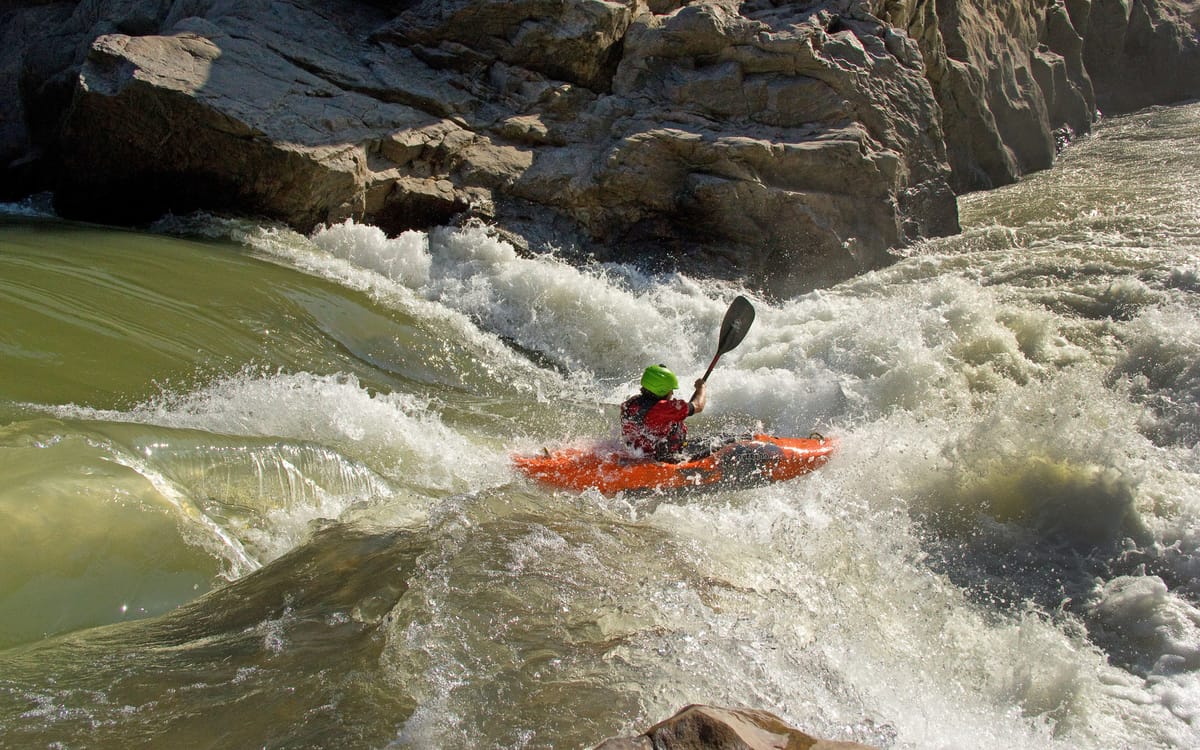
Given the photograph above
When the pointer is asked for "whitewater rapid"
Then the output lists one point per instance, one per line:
(1003, 552)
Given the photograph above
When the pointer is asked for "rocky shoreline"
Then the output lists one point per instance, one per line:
(788, 144)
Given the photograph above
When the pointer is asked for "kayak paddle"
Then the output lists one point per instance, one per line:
(734, 327)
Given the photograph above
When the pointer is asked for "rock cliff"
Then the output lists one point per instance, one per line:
(791, 144)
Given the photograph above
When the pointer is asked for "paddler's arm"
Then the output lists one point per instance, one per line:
(699, 397)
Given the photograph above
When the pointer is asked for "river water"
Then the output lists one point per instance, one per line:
(255, 490)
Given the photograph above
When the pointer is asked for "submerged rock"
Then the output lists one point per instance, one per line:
(787, 144)
(711, 728)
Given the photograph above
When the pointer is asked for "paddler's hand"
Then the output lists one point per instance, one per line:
(700, 397)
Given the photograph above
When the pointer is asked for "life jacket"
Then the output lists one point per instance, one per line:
(654, 425)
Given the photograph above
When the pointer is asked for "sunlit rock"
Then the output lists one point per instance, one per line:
(712, 728)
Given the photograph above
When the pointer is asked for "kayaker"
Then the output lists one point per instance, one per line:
(652, 421)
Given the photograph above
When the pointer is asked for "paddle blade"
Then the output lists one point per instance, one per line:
(734, 327)
(736, 324)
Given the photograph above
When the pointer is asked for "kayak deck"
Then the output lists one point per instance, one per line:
(758, 459)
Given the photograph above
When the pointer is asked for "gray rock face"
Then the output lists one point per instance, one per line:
(1140, 52)
(790, 144)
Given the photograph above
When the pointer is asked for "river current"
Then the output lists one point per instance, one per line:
(255, 486)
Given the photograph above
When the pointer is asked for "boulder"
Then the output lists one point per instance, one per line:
(711, 728)
(757, 137)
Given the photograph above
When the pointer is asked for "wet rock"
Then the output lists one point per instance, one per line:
(711, 728)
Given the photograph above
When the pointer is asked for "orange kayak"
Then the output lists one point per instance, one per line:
(754, 460)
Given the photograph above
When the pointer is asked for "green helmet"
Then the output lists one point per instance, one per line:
(659, 380)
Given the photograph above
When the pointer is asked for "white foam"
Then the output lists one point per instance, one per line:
(1162, 364)
(606, 322)
(404, 259)
(399, 433)
(1164, 628)
(35, 207)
